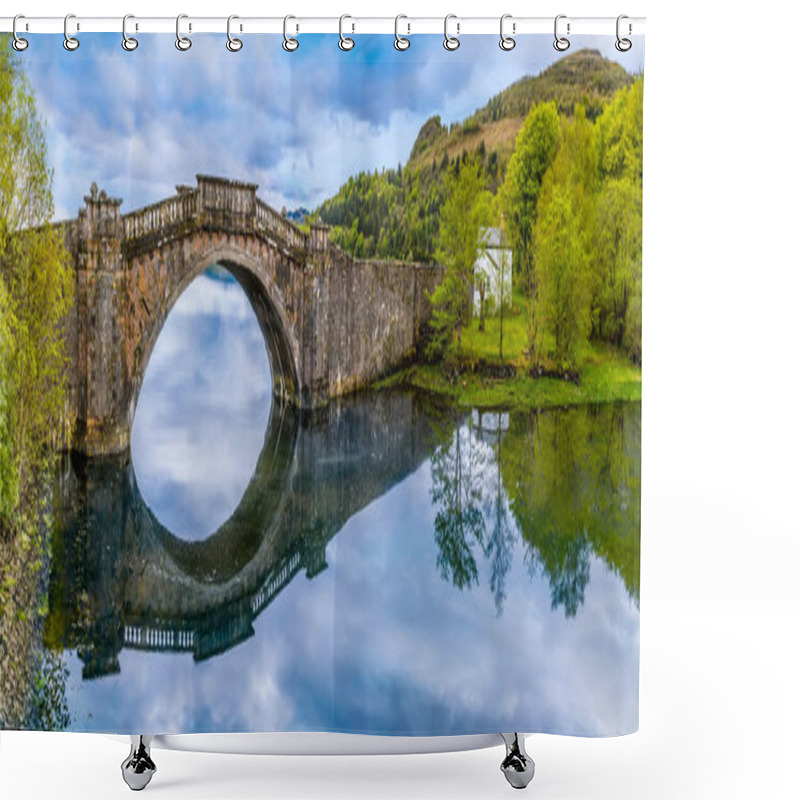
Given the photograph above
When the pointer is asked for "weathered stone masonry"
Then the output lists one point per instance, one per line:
(331, 324)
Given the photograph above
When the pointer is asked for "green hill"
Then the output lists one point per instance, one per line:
(394, 213)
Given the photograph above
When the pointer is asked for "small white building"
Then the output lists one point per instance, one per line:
(494, 267)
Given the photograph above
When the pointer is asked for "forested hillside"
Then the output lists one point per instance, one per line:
(394, 213)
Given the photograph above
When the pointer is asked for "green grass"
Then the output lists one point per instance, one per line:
(605, 374)
(485, 345)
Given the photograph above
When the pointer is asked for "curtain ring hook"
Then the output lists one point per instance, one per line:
(233, 44)
(623, 45)
(70, 42)
(400, 42)
(19, 44)
(345, 42)
(561, 43)
(507, 42)
(451, 43)
(290, 44)
(128, 42)
(183, 43)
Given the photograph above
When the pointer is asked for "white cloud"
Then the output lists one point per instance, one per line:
(298, 125)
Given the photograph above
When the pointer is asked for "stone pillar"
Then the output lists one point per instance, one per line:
(101, 419)
(320, 237)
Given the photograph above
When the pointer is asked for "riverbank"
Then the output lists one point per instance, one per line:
(478, 378)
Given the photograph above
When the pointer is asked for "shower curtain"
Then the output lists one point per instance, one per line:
(320, 385)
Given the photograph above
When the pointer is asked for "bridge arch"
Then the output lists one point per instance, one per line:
(265, 299)
(332, 324)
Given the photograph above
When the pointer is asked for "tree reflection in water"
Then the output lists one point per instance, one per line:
(567, 481)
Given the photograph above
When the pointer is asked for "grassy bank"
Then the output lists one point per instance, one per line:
(476, 377)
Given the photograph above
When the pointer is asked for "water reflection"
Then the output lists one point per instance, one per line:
(388, 565)
(424, 532)
(567, 481)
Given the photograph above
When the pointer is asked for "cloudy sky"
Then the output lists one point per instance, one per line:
(298, 124)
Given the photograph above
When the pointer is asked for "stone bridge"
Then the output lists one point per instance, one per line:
(331, 323)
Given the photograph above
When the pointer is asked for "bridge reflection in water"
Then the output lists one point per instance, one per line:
(121, 580)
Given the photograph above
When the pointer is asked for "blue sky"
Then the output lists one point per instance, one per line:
(298, 124)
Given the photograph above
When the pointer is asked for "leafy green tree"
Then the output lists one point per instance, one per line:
(7, 472)
(36, 295)
(534, 151)
(617, 305)
(563, 302)
(465, 214)
(564, 240)
(619, 134)
(616, 312)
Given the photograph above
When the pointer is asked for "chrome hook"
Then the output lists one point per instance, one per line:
(290, 44)
(507, 42)
(70, 42)
(623, 45)
(345, 42)
(183, 43)
(19, 44)
(451, 43)
(400, 42)
(561, 43)
(233, 44)
(128, 42)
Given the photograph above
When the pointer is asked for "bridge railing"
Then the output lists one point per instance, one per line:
(271, 223)
(161, 218)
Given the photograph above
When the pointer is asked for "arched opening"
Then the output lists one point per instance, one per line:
(205, 401)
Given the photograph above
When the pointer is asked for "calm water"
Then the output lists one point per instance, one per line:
(389, 565)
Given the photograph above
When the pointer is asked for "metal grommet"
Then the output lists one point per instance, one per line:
(400, 42)
(70, 42)
(289, 43)
(506, 42)
(561, 43)
(345, 42)
(623, 45)
(183, 43)
(451, 43)
(233, 44)
(128, 42)
(18, 43)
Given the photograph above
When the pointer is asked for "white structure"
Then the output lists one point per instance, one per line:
(494, 266)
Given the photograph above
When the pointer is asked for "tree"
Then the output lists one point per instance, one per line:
(564, 306)
(619, 134)
(36, 292)
(618, 255)
(465, 214)
(7, 472)
(617, 304)
(564, 240)
(534, 151)
(501, 265)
